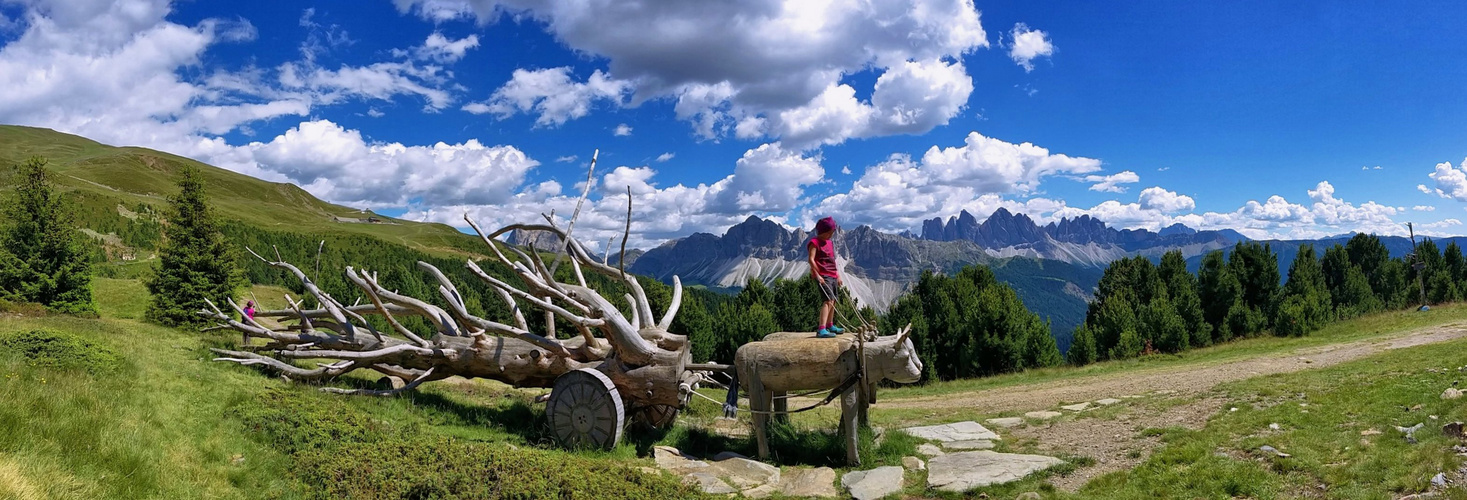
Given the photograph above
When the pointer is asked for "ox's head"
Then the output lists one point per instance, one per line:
(898, 361)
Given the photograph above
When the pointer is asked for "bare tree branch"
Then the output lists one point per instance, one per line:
(366, 286)
(391, 392)
(287, 369)
(677, 302)
(570, 227)
(326, 301)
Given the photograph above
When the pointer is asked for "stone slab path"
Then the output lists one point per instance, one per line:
(957, 431)
(875, 483)
(963, 471)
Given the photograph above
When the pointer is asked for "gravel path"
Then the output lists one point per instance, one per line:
(1114, 443)
(1185, 380)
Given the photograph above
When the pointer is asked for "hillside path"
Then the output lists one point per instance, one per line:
(1115, 443)
(1187, 379)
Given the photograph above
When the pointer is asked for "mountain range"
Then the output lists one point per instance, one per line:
(877, 267)
(1084, 240)
(1054, 268)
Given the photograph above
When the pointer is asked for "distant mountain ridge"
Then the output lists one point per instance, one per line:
(1082, 240)
(877, 267)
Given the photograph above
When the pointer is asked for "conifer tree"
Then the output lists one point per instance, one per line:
(1182, 288)
(43, 258)
(1306, 303)
(196, 262)
(1082, 348)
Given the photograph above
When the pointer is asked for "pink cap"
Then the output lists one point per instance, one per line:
(824, 225)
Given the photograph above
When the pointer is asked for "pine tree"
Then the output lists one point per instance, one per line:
(1257, 270)
(196, 263)
(1163, 327)
(1218, 289)
(1129, 345)
(1307, 301)
(1182, 288)
(43, 258)
(1456, 265)
(1082, 348)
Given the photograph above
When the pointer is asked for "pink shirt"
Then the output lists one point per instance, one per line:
(824, 252)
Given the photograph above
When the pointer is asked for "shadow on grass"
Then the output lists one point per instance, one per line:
(790, 446)
(515, 416)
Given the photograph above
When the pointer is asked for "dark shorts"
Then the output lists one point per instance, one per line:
(829, 287)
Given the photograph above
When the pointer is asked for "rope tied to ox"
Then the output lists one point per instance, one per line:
(731, 405)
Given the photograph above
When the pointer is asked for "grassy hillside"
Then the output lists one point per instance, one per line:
(105, 177)
(115, 408)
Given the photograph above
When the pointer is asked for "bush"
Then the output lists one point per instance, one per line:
(56, 350)
(23, 308)
(341, 452)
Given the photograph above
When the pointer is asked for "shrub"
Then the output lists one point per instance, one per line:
(56, 350)
(341, 452)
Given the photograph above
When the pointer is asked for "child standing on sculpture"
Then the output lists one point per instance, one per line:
(826, 274)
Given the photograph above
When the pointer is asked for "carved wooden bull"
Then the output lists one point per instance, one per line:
(780, 365)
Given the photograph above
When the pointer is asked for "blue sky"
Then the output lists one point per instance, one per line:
(1253, 116)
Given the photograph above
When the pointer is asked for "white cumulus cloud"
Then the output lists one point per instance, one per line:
(1112, 183)
(1451, 182)
(551, 94)
(1028, 45)
(776, 72)
(768, 180)
(339, 165)
(901, 192)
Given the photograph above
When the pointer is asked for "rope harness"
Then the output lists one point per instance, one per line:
(730, 409)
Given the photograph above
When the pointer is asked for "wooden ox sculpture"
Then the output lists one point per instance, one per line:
(785, 362)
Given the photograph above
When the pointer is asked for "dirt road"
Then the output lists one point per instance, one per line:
(1187, 379)
(1114, 443)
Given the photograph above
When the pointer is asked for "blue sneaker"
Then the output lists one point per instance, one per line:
(824, 334)
(835, 329)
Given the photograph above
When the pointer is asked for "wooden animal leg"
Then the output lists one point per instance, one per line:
(759, 404)
(850, 402)
(863, 417)
(781, 407)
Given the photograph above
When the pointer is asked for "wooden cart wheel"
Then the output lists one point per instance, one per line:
(585, 410)
(657, 416)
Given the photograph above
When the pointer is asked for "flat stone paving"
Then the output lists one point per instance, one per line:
(956, 431)
(1006, 422)
(959, 472)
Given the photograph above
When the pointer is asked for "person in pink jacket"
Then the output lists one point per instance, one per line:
(826, 274)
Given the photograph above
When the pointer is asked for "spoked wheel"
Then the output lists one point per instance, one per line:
(585, 410)
(656, 416)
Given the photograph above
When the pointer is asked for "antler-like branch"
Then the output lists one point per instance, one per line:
(677, 302)
(426, 376)
(328, 303)
(460, 310)
(287, 369)
(578, 252)
(351, 275)
(538, 302)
